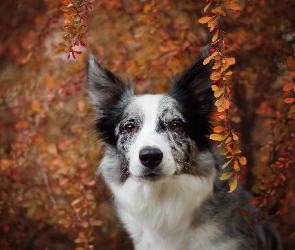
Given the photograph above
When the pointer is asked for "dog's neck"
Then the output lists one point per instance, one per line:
(165, 206)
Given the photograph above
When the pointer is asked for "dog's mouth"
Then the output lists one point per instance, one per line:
(151, 175)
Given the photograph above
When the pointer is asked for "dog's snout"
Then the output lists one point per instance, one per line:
(150, 156)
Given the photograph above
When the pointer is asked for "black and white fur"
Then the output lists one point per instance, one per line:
(162, 170)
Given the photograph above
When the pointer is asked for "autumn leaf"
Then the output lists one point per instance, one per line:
(207, 60)
(225, 176)
(35, 106)
(230, 60)
(236, 166)
(215, 37)
(291, 63)
(225, 103)
(227, 163)
(233, 184)
(214, 137)
(235, 137)
(218, 92)
(289, 86)
(214, 88)
(205, 19)
(218, 129)
(207, 6)
(96, 223)
(243, 160)
(289, 100)
(233, 5)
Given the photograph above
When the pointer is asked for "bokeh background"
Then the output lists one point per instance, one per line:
(50, 196)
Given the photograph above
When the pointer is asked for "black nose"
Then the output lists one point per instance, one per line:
(150, 156)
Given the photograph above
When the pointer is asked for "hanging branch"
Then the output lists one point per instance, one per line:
(224, 133)
(75, 13)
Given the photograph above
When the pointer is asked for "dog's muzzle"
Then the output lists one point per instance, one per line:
(150, 157)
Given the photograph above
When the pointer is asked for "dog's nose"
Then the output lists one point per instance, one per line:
(150, 156)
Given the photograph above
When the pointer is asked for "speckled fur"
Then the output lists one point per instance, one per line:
(180, 203)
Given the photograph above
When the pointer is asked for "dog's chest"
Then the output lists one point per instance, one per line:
(162, 232)
(160, 216)
(203, 238)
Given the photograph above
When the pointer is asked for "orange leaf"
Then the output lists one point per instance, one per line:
(207, 6)
(234, 6)
(231, 60)
(291, 63)
(235, 137)
(214, 137)
(215, 75)
(220, 109)
(147, 8)
(213, 23)
(49, 82)
(289, 86)
(233, 184)
(96, 223)
(236, 166)
(81, 106)
(205, 19)
(225, 176)
(223, 151)
(57, 52)
(218, 92)
(214, 38)
(207, 60)
(225, 103)
(21, 125)
(35, 106)
(243, 160)
(76, 201)
(214, 87)
(292, 109)
(219, 102)
(227, 163)
(289, 100)
(218, 129)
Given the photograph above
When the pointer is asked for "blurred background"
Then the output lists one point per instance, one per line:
(50, 196)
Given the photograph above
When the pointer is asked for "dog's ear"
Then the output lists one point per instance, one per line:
(193, 91)
(104, 88)
(108, 94)
(195, 82)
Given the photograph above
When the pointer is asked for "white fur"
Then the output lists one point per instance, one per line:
(158, 215)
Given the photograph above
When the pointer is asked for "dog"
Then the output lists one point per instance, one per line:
(163, 170)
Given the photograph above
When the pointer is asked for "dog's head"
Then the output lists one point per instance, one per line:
(152, 137)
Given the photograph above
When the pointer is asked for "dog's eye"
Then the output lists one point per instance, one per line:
(130, 127)
(175, 126)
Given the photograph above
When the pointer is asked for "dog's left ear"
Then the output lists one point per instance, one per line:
(195, 83)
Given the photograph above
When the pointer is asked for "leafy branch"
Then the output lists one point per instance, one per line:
(75, 13)
(222, 89)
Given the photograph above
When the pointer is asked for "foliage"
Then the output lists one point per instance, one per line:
(50, 196)
(221, 89)
(75, 14)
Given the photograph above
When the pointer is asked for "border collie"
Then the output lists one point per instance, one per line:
(162, 170)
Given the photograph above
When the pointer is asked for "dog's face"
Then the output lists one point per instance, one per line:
(152, 137)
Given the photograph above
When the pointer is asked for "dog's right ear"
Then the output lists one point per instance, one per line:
(104, 88)
(109, 95)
